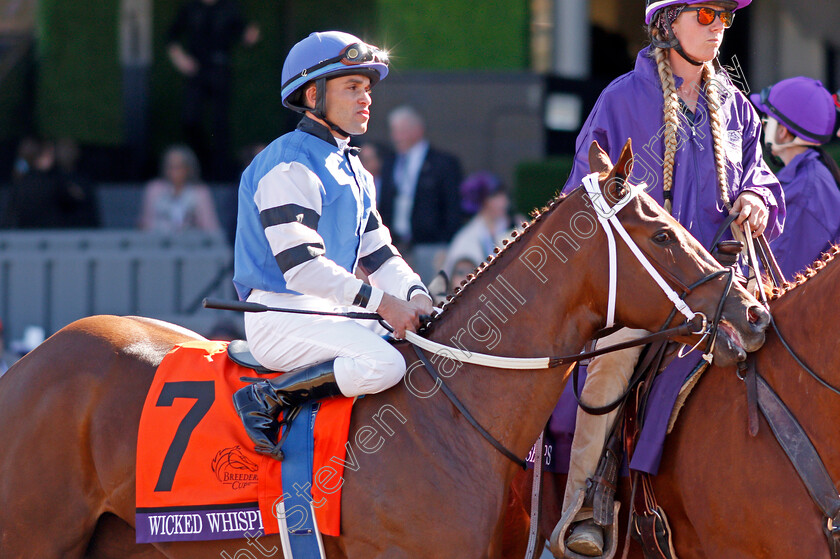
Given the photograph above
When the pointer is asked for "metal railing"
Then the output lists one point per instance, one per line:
(51, 278)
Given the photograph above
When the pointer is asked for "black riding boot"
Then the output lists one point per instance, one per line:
(259, 404)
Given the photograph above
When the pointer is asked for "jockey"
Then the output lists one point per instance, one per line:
(800, 117)
(697, 144)
(307, 224)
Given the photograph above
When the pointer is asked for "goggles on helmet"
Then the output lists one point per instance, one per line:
(351, 55)
(707, 16)
(836, 98)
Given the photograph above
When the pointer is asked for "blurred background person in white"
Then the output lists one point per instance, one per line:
(484, 196)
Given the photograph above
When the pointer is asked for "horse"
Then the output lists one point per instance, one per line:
(69, 410)
(726, 493)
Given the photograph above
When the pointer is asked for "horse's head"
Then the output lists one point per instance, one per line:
(678, 259)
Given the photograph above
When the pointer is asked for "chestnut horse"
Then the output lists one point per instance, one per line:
(70, 409)
(729, 495)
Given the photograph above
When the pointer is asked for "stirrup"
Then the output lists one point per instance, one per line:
(276, 452)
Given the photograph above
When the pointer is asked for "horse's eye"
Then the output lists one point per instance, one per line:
(661, 237)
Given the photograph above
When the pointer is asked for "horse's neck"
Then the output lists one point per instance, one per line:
(807, 318)
(508, 310)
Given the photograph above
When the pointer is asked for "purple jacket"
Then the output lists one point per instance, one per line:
(631, 107)
(813, 205)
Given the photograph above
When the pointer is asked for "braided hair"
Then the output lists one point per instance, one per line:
(671, 118)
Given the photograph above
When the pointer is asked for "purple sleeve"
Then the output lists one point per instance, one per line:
(757, 176)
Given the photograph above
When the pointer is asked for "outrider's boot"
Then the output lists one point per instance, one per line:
(586, 539)
(259, 404)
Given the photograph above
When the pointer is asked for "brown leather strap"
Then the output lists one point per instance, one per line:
(654, 534)
(795, 442)
(769, 261)
(536, 493)
(805, 459)
(748, 371)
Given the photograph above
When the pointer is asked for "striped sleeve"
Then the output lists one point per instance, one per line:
(289, 201)
(383, 263)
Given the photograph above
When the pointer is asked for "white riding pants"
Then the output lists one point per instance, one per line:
(364, 362)
(607, 377)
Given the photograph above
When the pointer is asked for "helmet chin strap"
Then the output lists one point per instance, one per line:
(320, 109)
(673, 43)
(771, 143)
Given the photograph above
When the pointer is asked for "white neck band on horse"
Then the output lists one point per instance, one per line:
(606, 216)
(609, 220)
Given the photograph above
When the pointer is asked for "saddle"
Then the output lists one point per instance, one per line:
(239, 353)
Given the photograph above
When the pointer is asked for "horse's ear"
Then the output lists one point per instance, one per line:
(599, 161)
(625, 161)
(614, 184)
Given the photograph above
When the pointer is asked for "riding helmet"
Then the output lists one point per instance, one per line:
(803, 105)
(328, 54)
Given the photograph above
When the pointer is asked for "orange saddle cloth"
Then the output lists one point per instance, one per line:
(198, 477)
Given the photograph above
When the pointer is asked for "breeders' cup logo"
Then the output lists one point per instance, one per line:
(233, 468)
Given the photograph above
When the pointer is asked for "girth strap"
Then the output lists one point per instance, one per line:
(536, 499)
(804, 456)
(464, 411)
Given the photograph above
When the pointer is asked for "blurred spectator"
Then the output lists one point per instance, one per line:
(200, 42)
(371, 155)
(27, 152)
(461, 269)
(46, 196)
(419, 200)
(178, 201)
(79, 187)
(482, 194)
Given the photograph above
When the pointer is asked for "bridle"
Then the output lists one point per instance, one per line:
(608, 218)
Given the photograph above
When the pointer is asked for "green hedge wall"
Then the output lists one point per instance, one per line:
(78, 90)
(537, 182)
(456, 34)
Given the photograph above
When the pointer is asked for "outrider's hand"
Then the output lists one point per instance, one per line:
(750, 208)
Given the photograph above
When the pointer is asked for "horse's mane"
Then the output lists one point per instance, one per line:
(515, 237)
(801, 278)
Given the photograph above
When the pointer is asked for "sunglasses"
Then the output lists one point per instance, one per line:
(706, 16)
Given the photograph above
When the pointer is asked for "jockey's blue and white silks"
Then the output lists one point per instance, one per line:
(307, 219)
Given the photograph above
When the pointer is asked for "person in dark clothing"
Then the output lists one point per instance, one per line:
(419, 198)
(50, 197)
(200, 44)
